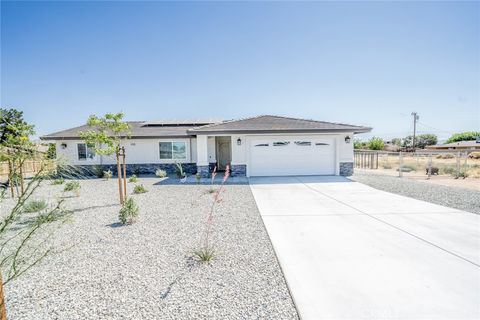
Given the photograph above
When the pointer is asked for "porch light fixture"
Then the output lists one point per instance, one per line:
(239, 142)
(347, 139)
(63, 145)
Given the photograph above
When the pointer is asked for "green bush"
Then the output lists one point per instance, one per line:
(129, 212)
(139, 188)
(58, 181)
(107, 174)
(375, 144)
(34, 206)
(133, 178)
(198, 177)
(73, 186)
(161, 173)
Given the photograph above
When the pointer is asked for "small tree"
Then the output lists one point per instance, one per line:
(375, 144)
(24, 236)
(109, 132)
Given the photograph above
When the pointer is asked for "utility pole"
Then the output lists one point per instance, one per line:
(415, 119)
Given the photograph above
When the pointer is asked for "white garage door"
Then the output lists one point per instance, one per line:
(290, 155)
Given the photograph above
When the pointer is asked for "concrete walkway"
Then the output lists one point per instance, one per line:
(349, 251)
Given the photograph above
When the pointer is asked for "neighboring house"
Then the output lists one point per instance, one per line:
(457, 146)
(257, 146)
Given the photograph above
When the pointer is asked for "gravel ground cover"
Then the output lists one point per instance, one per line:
(454, 197)
(146, 270)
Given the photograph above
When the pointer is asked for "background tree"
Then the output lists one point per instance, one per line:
(375, 144)
(106, 136)
(15, 145)
(397, 141)
(421, 140)
(463, 136)
(359, 144)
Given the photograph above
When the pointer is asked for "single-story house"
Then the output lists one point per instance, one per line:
(258, 146)
(472, 145)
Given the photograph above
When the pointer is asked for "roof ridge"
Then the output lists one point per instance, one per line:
(274, 116)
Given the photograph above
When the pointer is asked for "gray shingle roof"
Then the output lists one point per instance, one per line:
(260, 124)
(138, 130)
(270, 124)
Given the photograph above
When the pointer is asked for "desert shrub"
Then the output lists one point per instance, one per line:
(139, 188)
(58, 181)
(205, 254)
(433, 170)
(107, 174)
(407, 168)
(73, 186)
(386, 166)
(474, 155)
(161, 173)
(448, 170)
(179, 170)
(34, 206)
(129, 212)
(136, 170)
(445, 156)
(460, 174)
(133, 178)
(97, 170)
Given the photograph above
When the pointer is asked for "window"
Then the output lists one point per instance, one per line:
(281, 144)
(321, 144)
(262, 145)
(303, 143)
(173, 150)
(85, 151)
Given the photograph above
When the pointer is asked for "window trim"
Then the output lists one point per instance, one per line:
(172, 150)
(88, 147)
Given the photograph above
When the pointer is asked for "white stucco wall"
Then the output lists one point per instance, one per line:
(137, 151)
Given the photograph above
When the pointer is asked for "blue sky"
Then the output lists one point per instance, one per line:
(368, 63)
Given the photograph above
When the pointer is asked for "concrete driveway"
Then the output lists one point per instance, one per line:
(349, 251)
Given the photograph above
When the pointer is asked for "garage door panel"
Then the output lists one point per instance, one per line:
(289, 155)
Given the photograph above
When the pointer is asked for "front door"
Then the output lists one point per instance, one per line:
(224, 152)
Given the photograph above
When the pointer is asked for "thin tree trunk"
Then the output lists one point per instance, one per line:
(21, 176)
(124, 174)
(10, 177)
(3, 310)
(119, 174)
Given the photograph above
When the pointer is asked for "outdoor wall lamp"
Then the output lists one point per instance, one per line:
(239, 142)
(63, 145)
(347, 139)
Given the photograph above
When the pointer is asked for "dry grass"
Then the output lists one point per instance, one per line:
(420, 164)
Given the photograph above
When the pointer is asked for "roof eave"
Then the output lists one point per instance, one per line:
(232, 131)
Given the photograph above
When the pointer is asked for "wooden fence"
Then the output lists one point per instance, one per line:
(29, 168)
(366, 159)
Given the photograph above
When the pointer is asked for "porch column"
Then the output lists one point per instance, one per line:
(202, 155)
